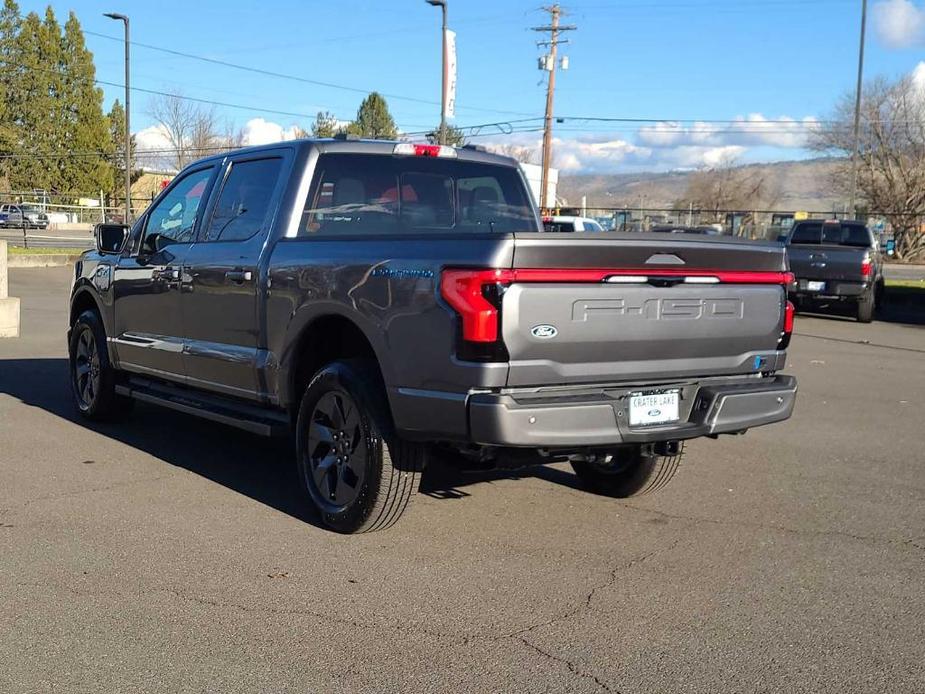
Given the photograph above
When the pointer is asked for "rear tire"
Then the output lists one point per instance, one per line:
(631, 472)
(356, 471)
(864, 311)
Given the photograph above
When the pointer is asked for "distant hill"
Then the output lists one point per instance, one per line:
(803, 185)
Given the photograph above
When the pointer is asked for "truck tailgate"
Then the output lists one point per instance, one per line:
(597, 309)
(827, 262)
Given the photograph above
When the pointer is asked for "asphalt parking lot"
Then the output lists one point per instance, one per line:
(168, 554)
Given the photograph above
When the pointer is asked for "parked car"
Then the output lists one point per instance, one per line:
(19, 216)
(381, 301)
(563, 223)
(36, 218)
(835, 262)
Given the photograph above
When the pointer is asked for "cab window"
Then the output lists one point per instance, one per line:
(173, 218)
(243, 207)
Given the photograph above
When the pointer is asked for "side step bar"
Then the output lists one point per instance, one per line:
(256, 420)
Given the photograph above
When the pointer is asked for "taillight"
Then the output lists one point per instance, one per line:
(476, 296)
(866, 267)
(464, 290)
(787, 332)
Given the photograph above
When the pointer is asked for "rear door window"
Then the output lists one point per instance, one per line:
(244, 205)
(807, 233)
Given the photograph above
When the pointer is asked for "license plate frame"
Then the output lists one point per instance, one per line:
(815, 286)
(654, 408)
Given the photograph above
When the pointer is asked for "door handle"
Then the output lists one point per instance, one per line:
(238, 276)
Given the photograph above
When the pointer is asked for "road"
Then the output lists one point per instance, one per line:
(51, 238)
(167, 554)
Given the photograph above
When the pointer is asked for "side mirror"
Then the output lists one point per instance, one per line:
(110, 238)
(782, 238)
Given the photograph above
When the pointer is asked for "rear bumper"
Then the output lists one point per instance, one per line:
(834, 289)
(544, 419)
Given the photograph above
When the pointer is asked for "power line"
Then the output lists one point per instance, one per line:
(294, 78)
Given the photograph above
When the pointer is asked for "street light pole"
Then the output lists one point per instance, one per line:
(128, 131)
(855, 153)
(442, 5)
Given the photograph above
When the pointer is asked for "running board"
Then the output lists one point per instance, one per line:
(254, 419)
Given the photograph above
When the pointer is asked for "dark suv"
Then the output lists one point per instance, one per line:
(383, 301)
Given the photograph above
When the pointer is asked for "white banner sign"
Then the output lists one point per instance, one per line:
(449, 99)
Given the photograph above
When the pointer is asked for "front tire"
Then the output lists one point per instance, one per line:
(93, 380)
(357, 472)
(631, 471)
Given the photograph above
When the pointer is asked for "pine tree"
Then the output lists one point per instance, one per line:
(9, 30)
(32, 102)
(116, 120)
(374, 120)
(325, 125)
(83, 126)
(454, 136)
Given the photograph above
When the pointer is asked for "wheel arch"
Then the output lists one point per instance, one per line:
(85, 299)
(324, 338)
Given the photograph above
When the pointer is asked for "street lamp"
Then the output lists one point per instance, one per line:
(855, 151)
(128, 132)
(442, 5)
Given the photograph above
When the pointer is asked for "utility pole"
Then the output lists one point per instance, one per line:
(549, 63)
(855, 153)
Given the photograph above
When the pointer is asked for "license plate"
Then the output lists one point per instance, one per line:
(654, 408)
(815, 286)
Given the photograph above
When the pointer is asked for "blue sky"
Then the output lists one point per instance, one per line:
(660, 59)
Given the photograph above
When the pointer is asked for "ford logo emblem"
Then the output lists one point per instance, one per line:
(544, 332)
(654, 413)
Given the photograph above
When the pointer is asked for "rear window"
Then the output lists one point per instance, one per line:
(559, 226)
(817, 233)
(376, 194)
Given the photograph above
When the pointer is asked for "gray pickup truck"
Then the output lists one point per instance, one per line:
(384, 302)
(835, 262)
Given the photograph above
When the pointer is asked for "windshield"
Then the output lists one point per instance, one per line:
(819, 233)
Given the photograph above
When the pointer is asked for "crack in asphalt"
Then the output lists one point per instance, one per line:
(584, 605)
(569, 664)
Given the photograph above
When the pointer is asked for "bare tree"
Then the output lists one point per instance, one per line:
(728, 187)
(891, 162)
(192, 130)
(522, 153)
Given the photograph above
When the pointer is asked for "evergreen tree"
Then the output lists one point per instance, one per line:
(9, 30)
(325, 125)
(83, 127)
(116, 119)
(454, 136)
(32, 102)
(374, 120)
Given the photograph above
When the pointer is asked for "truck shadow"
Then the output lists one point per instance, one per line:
(262, 469)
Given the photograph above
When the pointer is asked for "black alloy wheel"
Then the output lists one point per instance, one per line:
(337, 449)
(86, 369)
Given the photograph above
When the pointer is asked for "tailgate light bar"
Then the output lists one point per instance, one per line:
(408, 148)
(475, 293)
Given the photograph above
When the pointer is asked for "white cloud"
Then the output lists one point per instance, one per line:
(258, 131)
(899, 23)
(152, 137)
(754, 130)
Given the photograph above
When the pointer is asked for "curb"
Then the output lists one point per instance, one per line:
(41, 260)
